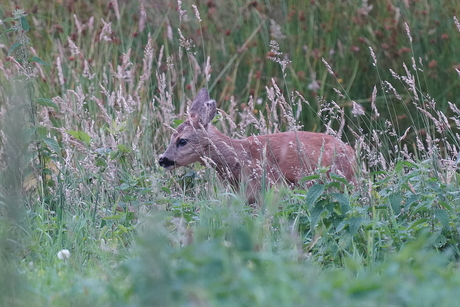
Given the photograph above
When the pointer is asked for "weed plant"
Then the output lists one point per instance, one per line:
(90, 93)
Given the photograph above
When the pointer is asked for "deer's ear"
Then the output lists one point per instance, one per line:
(203, 108)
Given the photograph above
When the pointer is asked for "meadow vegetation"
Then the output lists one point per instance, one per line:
(91, 90)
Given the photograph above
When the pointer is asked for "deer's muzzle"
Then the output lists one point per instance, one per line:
(166, 163)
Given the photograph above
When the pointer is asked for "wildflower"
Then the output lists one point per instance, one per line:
(63, 254)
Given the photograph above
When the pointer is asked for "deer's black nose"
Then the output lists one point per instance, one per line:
(165, 162)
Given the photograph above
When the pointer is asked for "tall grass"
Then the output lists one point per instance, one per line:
(87, 107)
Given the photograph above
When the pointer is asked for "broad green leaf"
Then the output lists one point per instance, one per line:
(53, 145)
(12, 48)
(25, 24)
(167, 190)
(122, 228)
(84, 137)
(341, 226)
(418, 222)
(378, 173)
(122, 148)
(9, 19)
(442, 216)
(316, 212)
(124, 186)
(38, 60)
(80, 135)
(354, 223)
(73, 133)
(313, 194)
(7, 31)
(395, 202)
(343, 201)
(242, 239)
(309, 178)
(338, 178)
(445, 205)
(410, 201)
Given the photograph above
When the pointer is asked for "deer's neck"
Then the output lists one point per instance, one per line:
(228, 155)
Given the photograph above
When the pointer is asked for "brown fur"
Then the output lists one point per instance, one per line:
(281, 157)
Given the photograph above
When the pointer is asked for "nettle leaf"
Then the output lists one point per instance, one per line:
(313, 194)
(310, 178)
(122, 148)
(418, 222)
(316, 213)
(442, 216)
(38, 60)
(80, 135)
(84, 137)
(354, 223)
(338, 178)
(53, 145)
(344, 202)
(395, 202)
(7, 31)
(14, 47)
(25, 24)
(9, 19)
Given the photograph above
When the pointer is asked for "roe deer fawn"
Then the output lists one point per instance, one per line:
(280, 157)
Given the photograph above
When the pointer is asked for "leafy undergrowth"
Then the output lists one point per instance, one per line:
(89, 219)
(321, 247)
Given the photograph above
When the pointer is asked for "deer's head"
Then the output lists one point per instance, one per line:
(190, 140)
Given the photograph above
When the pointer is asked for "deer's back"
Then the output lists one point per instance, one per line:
(296, 154)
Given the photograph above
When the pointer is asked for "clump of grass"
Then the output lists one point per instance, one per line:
(16, 137)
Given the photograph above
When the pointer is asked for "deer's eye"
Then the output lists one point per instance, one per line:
(181, 142)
